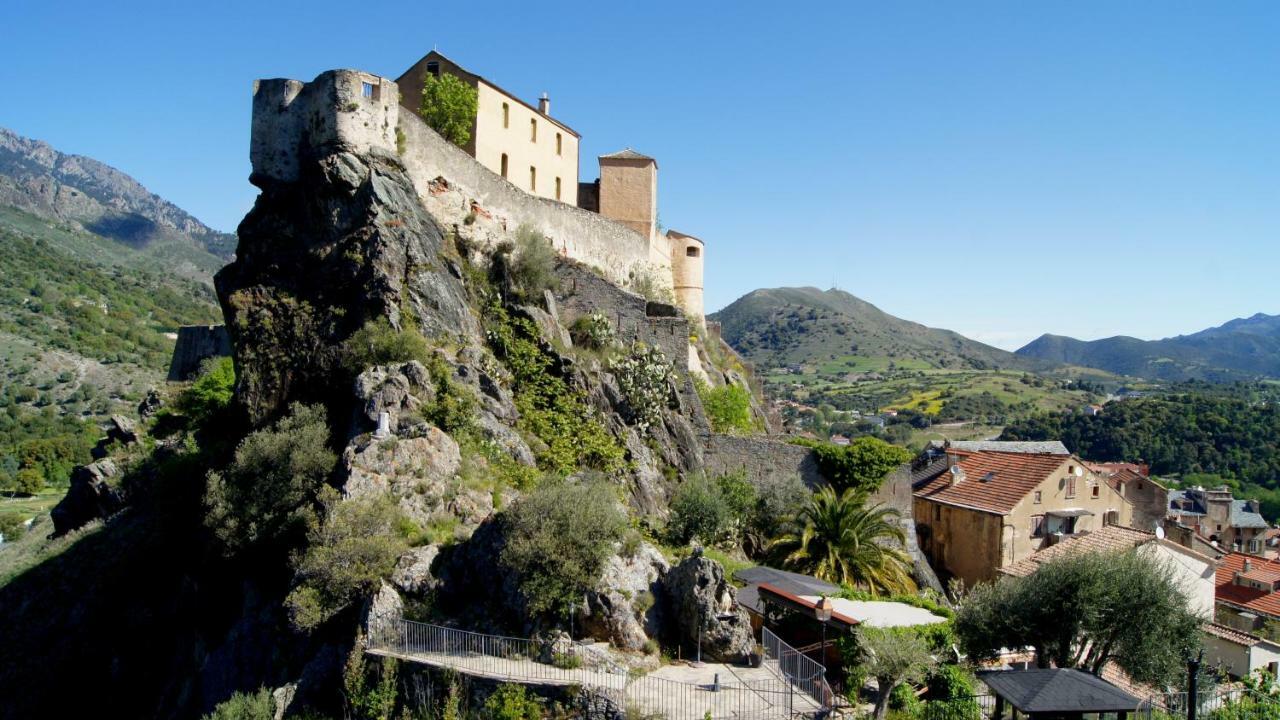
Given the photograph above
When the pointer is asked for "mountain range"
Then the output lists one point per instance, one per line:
(95, 197)
(1241, 349)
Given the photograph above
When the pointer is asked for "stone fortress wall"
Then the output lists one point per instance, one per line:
(362, 111)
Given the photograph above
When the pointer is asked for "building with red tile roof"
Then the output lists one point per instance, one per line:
(1247, 591)
(981, 510)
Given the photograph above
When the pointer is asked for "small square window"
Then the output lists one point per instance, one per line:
(1096, 489)
(1037, 501)
(366, 89)
(433, 68)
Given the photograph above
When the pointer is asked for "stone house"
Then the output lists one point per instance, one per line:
(520, 142)
(980, 507)
(1150, 498)
(1234, 525)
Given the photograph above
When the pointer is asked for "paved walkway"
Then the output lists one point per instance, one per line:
(676, 692)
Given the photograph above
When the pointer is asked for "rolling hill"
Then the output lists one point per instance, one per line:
(1242, 349)
(791, 326)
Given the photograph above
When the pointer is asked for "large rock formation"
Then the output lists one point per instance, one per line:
(89, 498)
(704, 605)
(623, 608)
(347, 242)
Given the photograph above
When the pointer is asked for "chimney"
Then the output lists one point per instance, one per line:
(957, 475)
(544, 105)
(1247, 565)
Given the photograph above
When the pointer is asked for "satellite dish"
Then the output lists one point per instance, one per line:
(1159, 532)
(1079, 471)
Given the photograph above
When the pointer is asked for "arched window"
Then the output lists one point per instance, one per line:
(533, 130)
(533, 179)
(506, 116)
(559, 143)
(692, 251)
(504, 165)
(557, 188)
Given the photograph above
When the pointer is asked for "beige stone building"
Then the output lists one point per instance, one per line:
(540, 155)
(520, 142)
(978, 511)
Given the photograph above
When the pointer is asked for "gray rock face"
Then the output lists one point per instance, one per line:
(701, 600)
(394, 389)
(418, 471)
(382, 610)
(89, 497)
(122, 430)
(624, 609)
(358, 246)
(413, 571)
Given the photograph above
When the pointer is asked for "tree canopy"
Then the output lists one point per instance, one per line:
(1084, 611)
(861, 465)
(449, 107)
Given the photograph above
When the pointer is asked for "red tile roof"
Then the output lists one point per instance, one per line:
(1252, 599)
(1113, 467)
(993, 481)
(1112, 538)
(1230, 634)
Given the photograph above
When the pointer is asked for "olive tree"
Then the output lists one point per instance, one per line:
(1084, 611)
(449, 107)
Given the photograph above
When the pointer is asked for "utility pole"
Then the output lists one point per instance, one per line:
(1193, 685)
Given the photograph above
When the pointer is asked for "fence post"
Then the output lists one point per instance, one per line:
(1193, 682)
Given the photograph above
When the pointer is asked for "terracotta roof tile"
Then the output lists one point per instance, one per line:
(1230, 634)
(1252, 599)
(1112, 538)
(993, 481)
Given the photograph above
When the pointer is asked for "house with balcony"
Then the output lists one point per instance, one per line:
(980, 507)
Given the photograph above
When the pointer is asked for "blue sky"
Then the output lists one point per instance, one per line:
(1001, 169)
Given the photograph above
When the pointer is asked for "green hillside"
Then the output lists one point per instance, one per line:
(828, 355)
(85, 330)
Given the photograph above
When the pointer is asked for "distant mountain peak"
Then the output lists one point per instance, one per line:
(37, 178)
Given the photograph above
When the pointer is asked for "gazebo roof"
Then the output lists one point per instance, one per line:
(1058, 690)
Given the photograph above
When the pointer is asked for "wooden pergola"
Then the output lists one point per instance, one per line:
(1056, 694)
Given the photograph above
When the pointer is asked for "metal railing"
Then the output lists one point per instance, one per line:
(800, 670)
(796, 691)
(1210, 701)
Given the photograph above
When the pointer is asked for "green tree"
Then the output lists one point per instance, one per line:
(1080, 612)
(211, 393)
(557, 540)
(893, 657)
(837, 538)
(245, 706)
(28, 481)
(378, 343)
(261, 495)
(861, 465)
(449, 107)
(512, 702)
(349, 551)
(728, 407)
(711, 510)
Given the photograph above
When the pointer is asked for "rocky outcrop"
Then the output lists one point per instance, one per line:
(623, 608)
(703, 604)
(398, 390)
(88, 498)
(346, 243)
(413, 575)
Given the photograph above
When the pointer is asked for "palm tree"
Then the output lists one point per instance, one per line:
(838, 539)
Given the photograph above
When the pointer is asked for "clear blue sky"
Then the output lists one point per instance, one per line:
(1000, 169)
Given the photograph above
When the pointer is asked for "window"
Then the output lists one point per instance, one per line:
(366, 89)
(433, 68)
(533, 179)
(506, 116)
(1037, 525)
(504, 165)
(691, 251)
(1071, 486)
(559, 143)
(1037, 500)
(557, 188)
(533, 130)
(1096, 490)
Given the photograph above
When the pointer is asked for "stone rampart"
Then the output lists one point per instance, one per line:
(581, 291)
(575, 233)
(196, 343)
(761, 458)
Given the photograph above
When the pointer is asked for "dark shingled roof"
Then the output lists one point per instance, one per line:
(794, 583)
(1057, 690)
(627, 154)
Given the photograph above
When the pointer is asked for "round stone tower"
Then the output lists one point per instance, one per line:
(686, 273)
